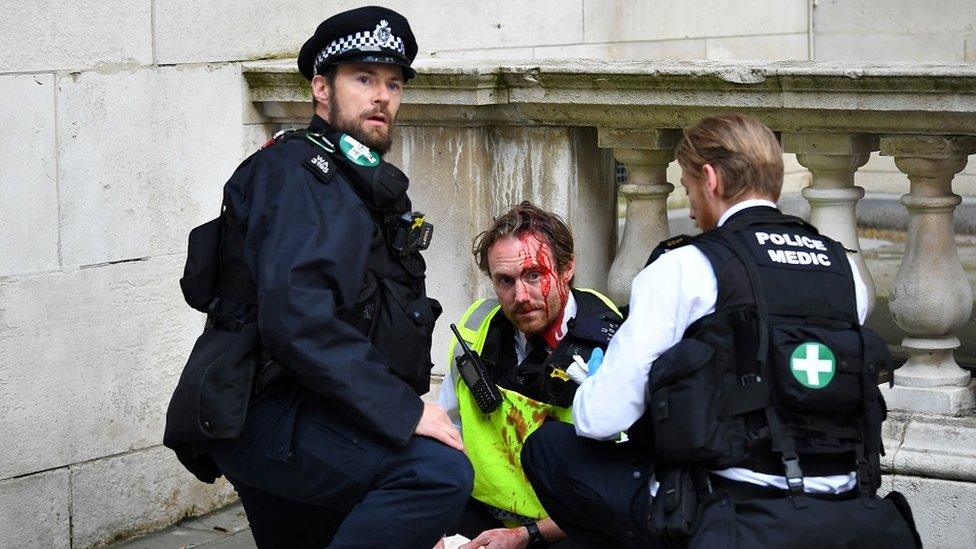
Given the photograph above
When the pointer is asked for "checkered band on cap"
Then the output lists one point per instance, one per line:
(374, 40)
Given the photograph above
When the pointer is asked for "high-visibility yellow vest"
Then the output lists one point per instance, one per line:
(494, 441)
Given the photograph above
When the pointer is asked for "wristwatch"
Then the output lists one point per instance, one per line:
(535, 536)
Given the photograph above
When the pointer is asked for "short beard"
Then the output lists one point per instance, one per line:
(379, 144)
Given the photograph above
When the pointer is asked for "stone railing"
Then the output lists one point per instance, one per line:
(831, 115)
(548, 132)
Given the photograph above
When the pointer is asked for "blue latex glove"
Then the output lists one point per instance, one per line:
(596, 359)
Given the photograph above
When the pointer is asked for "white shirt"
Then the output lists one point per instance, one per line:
(447, 397)
(665, 298)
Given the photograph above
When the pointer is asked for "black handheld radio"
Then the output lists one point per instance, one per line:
(472, 371)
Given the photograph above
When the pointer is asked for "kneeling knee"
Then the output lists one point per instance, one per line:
(546, 443)
(453, 472)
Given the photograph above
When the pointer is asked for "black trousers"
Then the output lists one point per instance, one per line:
(598, 493)
(307, 478)
(725, 522)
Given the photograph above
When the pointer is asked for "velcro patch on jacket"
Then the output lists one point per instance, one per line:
(321, 165)
(789, 249)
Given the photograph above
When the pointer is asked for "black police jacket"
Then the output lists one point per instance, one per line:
(302, 232)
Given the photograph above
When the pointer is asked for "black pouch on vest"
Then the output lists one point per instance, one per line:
(403, 332)
(685, 402)
(675, 507)
(802, 359)
(584, 334)
(200, 272)
(210, 401)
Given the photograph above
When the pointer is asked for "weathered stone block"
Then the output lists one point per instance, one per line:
(938, 447)
(778, 47)
(28, 180)
(440, 26)
(953, 401)
(621, 20)
(124, 496)
(221, 31)
(143, 156)
(944, 510)
(623, 138)
(558, 170)
(861, 46)
(501, 54)
(898, 17)
(34, 511)
(50, 35)
(89, 359)
(892, 434)
(662, 49)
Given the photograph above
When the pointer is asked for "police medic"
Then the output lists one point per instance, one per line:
(745, 356)
(304, 390)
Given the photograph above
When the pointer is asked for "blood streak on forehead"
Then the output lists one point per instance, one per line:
(536, 253)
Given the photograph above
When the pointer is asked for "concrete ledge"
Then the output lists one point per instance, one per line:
(935, 446)
(944, 510)
(119, 497)
(805, 96)
(952, 401)
(34, 511)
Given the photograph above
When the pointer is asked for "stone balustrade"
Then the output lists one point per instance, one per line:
(831, 115)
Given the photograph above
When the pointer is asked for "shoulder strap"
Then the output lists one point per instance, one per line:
(669, 244)
(601, 298)
(773, 217)
(473, 327)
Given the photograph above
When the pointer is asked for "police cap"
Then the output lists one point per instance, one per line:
(370, 34)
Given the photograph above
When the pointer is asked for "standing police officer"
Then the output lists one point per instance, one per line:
(319, 257)
(745, 353)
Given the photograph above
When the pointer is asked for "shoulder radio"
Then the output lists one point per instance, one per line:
(473, 373)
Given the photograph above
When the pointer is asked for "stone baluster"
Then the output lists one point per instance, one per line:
(930, 296)
(646, 154)
(832, 160)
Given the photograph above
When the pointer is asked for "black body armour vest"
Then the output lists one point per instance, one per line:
(781, 378)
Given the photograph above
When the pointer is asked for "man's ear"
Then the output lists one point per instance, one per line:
(714, 186)
(569, 271)
(320, 89)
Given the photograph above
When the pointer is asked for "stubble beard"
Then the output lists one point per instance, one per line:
(378, 140)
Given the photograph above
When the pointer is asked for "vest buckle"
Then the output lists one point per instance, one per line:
(794, 481)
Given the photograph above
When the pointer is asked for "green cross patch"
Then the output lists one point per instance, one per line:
(357, 152)
(813, 364)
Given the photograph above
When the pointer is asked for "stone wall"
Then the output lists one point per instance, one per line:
(123, 119)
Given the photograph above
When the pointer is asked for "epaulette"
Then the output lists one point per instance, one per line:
(282, 135)
(669, 244)
(320, 165)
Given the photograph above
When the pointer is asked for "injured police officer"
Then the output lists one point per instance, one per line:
(304, 390)
(522, 375)
(745, 356)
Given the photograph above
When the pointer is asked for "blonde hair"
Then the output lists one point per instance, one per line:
(741, 148)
